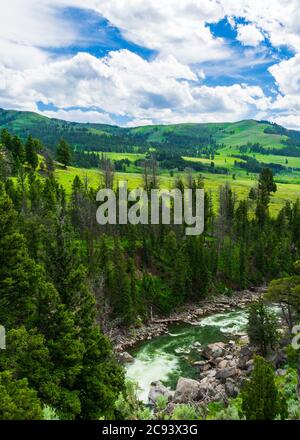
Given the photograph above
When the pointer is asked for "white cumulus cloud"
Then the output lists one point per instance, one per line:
(169, 87)
(125, 85)
(249, 35)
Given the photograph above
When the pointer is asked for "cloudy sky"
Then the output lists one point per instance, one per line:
(136, 62)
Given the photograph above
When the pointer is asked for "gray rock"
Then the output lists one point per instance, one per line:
(125, 358)
(206, 367)
(158, 389)
(233, 363)
(206, 389)
(278, 359)
(246, 352)
(250, 366)
(242, 364)
(280, 372)
(187, 390)
(211, 373)
(224, 374)
(223, 364)
(230, 388)
(214, 350)
(217, 360)
(219, 393)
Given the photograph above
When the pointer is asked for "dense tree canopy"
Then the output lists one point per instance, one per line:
(66, 281)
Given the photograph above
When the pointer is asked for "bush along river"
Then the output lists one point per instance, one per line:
(199, 355)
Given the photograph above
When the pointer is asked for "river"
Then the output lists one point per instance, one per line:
(170, 356)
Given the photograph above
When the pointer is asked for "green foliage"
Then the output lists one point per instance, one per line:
(59, 350)
(63, 277)
(161, 403)
(261, 399)
(292, 356)
(231, 412)
(262, 326)
(31, 152)
(287, 384)
(285, 291)
(128, 406)
(63, 153)
(160, 408)
(17, 400)
(49, 413)
(266, 186)
(184, 412)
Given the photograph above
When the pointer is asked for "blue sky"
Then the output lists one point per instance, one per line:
(142, 62)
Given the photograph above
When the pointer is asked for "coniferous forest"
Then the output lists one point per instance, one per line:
(149, 217)
(68, 285)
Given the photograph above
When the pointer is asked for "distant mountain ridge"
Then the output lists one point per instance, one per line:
(103, 137)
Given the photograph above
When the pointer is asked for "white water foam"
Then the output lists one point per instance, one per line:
(232, 323)
(149, 367)
(152, 364)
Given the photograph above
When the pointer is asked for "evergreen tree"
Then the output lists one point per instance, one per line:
(120, 287)
(180, 277)
(266, 186)
(198, 266)
(31, 152)
(261, 399)
(17, 400)
(262, 326)
(18, 150)
(6, 139)
(286, 292)
(63, 153)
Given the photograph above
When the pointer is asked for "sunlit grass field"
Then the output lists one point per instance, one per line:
(241, 185)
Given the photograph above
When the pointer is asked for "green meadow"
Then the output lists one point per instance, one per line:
(241, 186)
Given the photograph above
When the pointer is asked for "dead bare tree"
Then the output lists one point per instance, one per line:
(150, 174)
(107, 173)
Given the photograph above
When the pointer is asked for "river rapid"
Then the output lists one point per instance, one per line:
(171, 355)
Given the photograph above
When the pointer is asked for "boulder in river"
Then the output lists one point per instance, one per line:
(125, 358)
(158, 389)
(187, 390)
(215, 350)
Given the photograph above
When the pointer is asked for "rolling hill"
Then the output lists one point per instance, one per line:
(227, 147)
(101, 137)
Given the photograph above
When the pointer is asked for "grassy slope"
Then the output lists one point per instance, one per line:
(232, 135)
(245, 131)
(212, 183)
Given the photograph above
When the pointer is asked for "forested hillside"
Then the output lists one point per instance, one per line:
(65, 281)
(185, 137)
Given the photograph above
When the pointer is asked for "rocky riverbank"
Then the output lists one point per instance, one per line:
(224, 368)
(221, 373)
(124, 340)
